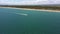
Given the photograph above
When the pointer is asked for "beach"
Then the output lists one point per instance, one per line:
(32, 9)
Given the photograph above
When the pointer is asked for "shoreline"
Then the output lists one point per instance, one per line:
(32, 9)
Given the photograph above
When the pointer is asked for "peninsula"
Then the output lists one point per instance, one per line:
(44, 7)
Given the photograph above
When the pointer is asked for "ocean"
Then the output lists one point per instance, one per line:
(15, 21)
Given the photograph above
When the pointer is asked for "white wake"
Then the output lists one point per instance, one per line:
(22, 14)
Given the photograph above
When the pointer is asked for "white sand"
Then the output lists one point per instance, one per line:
(31, 9)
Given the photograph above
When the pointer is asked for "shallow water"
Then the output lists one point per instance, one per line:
(14, 21)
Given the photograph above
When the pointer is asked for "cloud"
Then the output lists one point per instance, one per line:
(29, 2)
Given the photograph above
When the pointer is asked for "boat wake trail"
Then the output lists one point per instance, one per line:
(22, 14)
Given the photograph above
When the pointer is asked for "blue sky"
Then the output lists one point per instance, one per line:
(29, 2)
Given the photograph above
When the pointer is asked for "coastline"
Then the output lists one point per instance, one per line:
(32, 9)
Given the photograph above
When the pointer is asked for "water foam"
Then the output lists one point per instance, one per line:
(22, 14)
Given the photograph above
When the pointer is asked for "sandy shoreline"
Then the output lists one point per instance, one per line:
(32, 9)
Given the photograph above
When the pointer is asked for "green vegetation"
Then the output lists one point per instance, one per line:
(34, 7)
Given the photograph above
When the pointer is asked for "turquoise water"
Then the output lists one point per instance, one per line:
(14, 21)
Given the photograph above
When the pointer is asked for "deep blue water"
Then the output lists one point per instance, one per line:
(14, 21)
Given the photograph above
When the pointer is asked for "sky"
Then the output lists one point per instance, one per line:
(28, 2)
